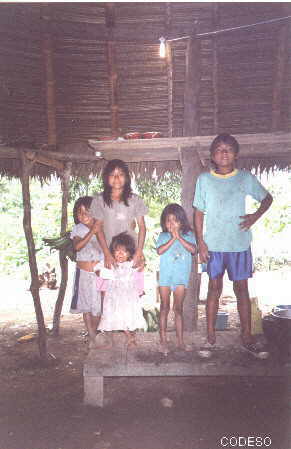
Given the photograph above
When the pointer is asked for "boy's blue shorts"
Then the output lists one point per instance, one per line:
(239, 265)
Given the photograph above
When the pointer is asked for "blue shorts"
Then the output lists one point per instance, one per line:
(239, 265)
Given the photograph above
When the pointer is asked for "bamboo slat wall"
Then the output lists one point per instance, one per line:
(104, 89)
(21, 75)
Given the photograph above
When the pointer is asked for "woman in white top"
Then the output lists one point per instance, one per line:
(117, 209)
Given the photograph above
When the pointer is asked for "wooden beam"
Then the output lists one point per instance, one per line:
(191, 169)
(192, 82)
(269, 145)
(170, 88)
(282, 54)
(166, 149)
(112, 74)
(112, 69)
(32, 156)
(48, 57)
(215, 40)
(53, 156)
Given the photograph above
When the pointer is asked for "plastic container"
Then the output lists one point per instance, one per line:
(221, 321)
(282, 311)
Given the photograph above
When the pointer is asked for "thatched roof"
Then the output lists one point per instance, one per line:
(73, 72)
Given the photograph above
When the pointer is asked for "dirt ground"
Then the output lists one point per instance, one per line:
(41, 407)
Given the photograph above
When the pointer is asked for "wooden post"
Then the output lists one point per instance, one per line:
(26, 167)
(65, 183)
(48, 54)
(215, 40)
(279, 78)
(191, 93)
(191, 167)
(112, 69)
(170, 88)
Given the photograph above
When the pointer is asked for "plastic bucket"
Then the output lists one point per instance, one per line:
(282, 311)
(221, 321)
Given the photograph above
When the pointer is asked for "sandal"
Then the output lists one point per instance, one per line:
(185, 348)
(256, 351)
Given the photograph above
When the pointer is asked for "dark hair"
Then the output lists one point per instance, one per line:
(127, 191)
(227, 139)
(123, 239)
(180, 214)
(82, 201)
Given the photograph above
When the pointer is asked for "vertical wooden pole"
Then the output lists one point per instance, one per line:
(65, 183)
(215, 24)
(26, 167)
(279, 78)
(48, 57)
(192, 85)
(113, 79)
(112, 69)
(169, 67)
(170, 88)
(191, 167)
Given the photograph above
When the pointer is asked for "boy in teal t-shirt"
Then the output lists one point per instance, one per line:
(223, 231)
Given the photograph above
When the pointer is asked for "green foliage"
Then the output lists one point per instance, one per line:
(88, 186)
(273, 230)
(157, 194)
(271, 233)
(62, 243)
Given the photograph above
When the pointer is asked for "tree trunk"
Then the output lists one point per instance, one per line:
(62, 258)
(34, 287)
(191, 168)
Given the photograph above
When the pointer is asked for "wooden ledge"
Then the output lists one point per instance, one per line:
(271, 145)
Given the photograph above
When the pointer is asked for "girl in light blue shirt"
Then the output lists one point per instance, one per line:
(175, 245)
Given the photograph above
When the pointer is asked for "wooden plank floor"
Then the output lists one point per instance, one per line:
(144, 360)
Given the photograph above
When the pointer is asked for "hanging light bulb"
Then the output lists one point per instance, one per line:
(162, 47)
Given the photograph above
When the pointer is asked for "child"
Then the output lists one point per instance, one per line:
(86, 298)
(175, 245)
(116, 209)
(122, 309)
(225, 245)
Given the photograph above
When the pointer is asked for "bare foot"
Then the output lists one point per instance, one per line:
(163, 348)
(246, 339)
(104, 341)
(131, 342)
(184, 347)
(211, 338)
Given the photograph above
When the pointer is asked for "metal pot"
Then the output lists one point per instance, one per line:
(277, 329)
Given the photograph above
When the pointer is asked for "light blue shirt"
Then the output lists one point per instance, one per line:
(176, 262)
(222, 198)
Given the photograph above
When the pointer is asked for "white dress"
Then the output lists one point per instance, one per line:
(122, 308)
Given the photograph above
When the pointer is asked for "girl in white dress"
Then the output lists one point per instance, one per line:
(122, 309)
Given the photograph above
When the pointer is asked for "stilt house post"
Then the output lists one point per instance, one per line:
(65, 184)
(48, 63)
(191, 167)
(26, 167)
